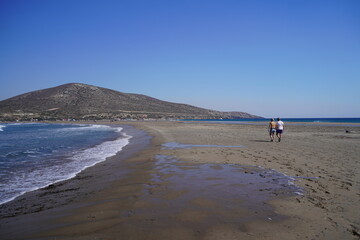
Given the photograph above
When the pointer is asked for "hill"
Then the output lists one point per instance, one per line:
(81, 101)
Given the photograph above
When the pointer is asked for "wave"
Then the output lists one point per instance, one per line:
(32, 152)
(84, 127)
(99, 153)
(26, 123)
(63, 168)
(2, 128)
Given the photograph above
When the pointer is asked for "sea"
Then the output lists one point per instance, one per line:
(35, 155)
(325, 121)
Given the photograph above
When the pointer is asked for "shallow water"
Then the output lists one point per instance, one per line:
(175, 145)
(205, 194)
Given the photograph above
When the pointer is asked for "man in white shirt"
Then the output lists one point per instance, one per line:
(279, 128)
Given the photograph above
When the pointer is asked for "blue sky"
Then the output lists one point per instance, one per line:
(287, 58)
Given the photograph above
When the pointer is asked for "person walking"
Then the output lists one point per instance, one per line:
(272, 129)
(279, 129)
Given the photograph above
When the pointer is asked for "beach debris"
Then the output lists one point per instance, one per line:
(355, 231)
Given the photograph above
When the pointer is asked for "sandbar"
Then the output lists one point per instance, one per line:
(134, 195)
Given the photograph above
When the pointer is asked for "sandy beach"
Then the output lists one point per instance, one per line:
(211, 187)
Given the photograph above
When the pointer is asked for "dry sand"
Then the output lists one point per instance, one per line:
(142, 198)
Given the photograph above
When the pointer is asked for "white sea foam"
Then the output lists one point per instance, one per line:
(20, 123)
(99, 153)
(83, 127)
(2, 128)
(67, 168)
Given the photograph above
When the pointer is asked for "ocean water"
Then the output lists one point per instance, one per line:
(328, 121)
(35, 155)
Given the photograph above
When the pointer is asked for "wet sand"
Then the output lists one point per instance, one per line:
(161, 192)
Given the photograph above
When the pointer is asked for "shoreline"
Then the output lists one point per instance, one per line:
(83, 167)
(324, 212)
(75, 190)
(322, 158)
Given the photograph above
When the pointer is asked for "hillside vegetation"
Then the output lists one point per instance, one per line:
(81, 101)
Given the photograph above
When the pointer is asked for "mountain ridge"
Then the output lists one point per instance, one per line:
(83, 101)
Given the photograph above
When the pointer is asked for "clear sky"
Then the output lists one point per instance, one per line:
(287, 58)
